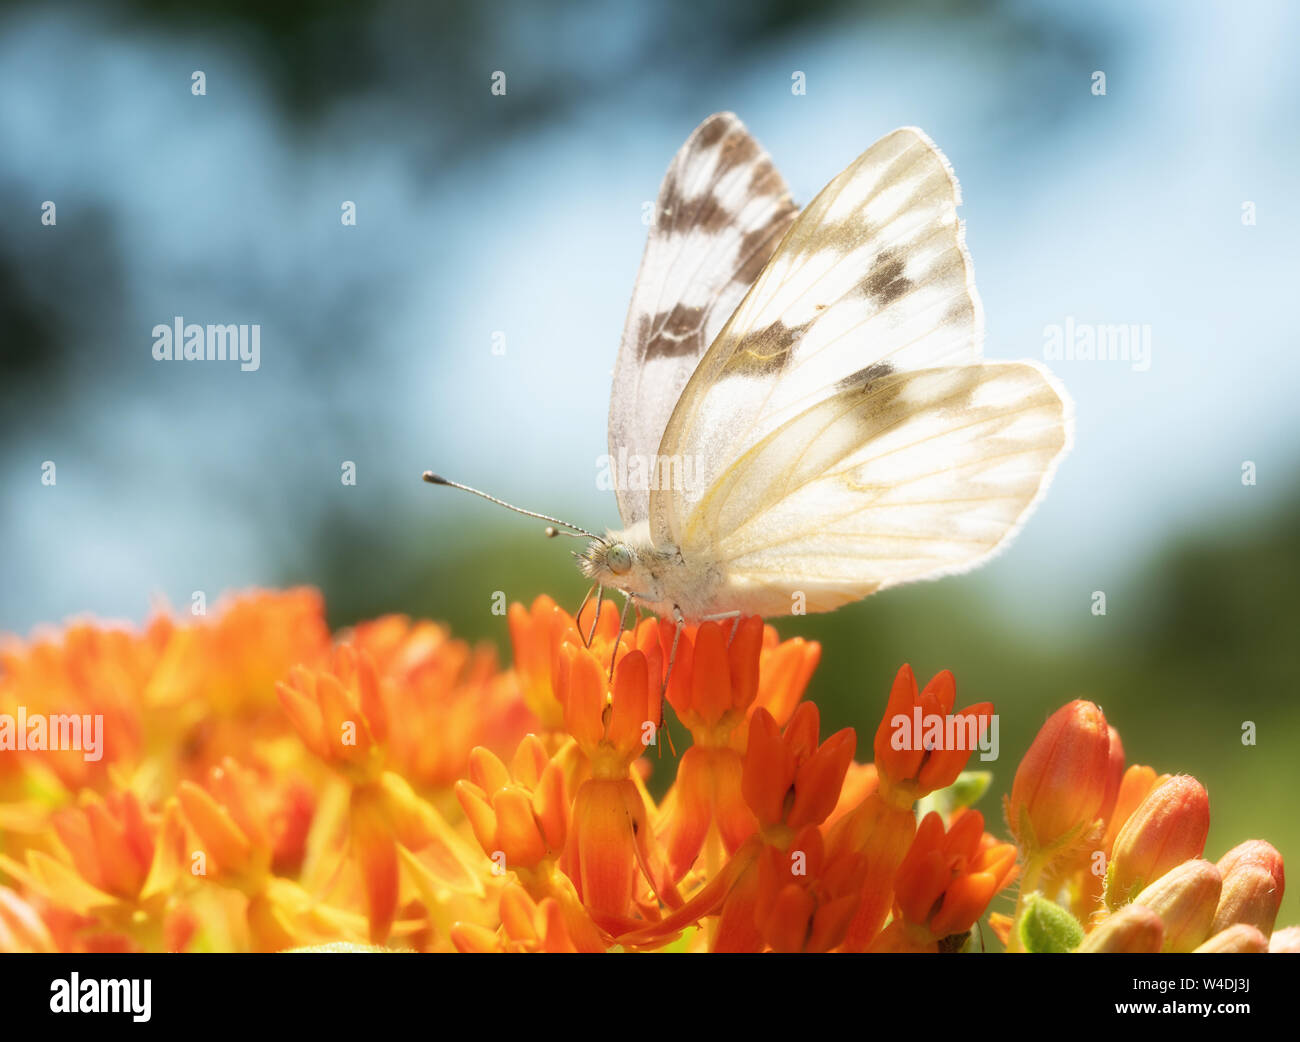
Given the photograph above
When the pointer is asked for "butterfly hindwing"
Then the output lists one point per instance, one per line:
(721, 210)
(912, 475)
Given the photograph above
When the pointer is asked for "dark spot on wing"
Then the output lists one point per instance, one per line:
(864, 378)
(883, 405)
(736, 150)
(765, 352)
(704, 210)
(757, 247)
(765, 180)
(711, 131)
(671, 204)
(673, 334)
(885, 283)
(710, 215)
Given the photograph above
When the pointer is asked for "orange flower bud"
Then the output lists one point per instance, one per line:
(948, 878)
(536, 634)
(229, 817)
(787, 777)
(1134, 787)
(1061, 785)
(449, 698)
(1241, 939)
(1114, 773)
(805, 897)
(1168, 828)
(1133, 930)
(715, 676)
(523, 816)
(612, 728)
(1253, 884)
(110, 843)
(475, 939)
(527, 926)
(1185, 898)
(1285, 940)
(338, 712)
(921, 745)
(533, 925)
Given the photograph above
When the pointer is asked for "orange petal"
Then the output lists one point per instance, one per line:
(215, 827)
(122, 874)
(583, 686)
(692, 808)
(943, 687)
(964, 902)
(517, 828)
(482, 819)
(818, 779)
(486, 770)
(769, 769)
(786, 927)
(743, 658)
(606, 852)
(897, 764)
(631, 710)
(711, 683)
(551, 806)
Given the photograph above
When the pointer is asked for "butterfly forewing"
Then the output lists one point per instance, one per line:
(873, 276)
(721, 210)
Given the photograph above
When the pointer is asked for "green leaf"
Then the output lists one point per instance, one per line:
(1047, 927)
(964, 792)
(969, 787)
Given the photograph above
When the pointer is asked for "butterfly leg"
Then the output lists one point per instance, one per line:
(622, 622)
(680, 619)
(581, 608)
(600, 599)
(734, 616)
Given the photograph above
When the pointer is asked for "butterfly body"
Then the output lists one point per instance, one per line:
(697, 587)
(660, 579)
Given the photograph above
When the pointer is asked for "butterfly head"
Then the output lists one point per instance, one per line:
(627, 561)
(608, 561)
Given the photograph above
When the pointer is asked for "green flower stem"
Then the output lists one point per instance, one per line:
(1034, 865)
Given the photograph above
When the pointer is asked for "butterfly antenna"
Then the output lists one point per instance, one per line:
(438, 479)
(552, 532)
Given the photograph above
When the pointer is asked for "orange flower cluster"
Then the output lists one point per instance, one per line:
(1113, 855)
(248, 781)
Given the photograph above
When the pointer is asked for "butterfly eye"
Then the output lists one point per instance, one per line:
(618, 559)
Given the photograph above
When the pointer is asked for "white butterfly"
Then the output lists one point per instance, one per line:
(802, 395)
